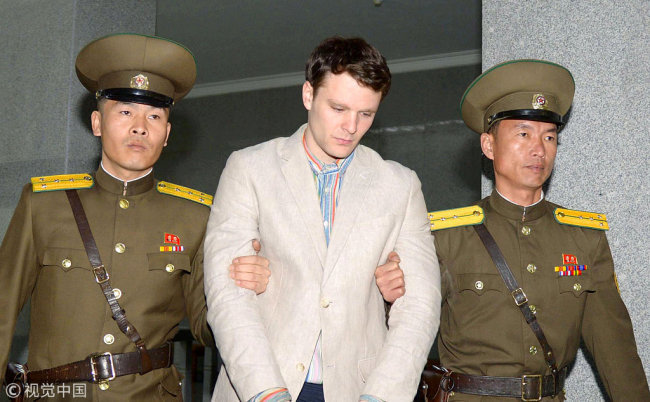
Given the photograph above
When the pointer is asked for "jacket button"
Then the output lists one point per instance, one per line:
(124, 203)
(531, 268)
(533, 350)
(170, 268)
(300, 367)
(533, 309)
(117, 293)
(120, 248)
(525, 230)
(109, 339)
(103, 385)
(577, 287)
(324, 303)
(66, 263)
(478, 285)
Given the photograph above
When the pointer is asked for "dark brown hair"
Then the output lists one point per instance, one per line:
(349, 55)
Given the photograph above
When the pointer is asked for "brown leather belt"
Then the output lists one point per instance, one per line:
(102, 367)
(527, 388)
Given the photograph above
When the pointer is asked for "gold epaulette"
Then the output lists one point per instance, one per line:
(184, 192)
(590, 220)
(451, 218)
(62, 182)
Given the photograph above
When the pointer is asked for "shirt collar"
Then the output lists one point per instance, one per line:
(526, 206)
(510, 210)
(123, 181)
(338, 166)
(115, 185)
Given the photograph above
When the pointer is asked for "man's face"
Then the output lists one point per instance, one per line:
(523, 153)
(133, 136)
(339, 114)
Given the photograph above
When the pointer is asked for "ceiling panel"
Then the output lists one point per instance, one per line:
(240, 39)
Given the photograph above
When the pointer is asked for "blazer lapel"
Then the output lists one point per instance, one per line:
(356, 183)
(300, 180)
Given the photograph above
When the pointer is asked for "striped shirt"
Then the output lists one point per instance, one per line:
(328, 179)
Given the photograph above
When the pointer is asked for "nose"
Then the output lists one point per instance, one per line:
(538, 149)
(351, 123)
(139, 125)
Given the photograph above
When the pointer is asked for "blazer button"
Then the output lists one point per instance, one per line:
(324, 303)
(124, 203)
(170, 268)
(66, 263)
(300, 367)
(533, 350)
(577, 287)
(525, 230)
(478, 285)
(120, 248)
(531, 268)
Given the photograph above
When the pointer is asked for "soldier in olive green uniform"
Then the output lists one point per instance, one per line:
(149, 235)
(560, 258)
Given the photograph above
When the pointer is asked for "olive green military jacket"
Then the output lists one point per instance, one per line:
(42, 257)
(483, 332)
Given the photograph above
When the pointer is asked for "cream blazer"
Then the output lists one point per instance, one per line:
(268, 192)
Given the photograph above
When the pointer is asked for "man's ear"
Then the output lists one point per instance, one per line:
(96, 123)
(169, 129)
(307, 95)
(487, 143)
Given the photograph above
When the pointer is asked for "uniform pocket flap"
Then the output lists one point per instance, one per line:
(172, 381)
(169, 262)
(576, 284)
(480, 283)
(66, 258)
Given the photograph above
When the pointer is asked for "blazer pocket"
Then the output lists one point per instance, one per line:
(66, 259)
(480, 283)
(171, 263)
(366, 366)
(576, 284)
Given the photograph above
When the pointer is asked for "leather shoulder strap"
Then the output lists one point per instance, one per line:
(517, 293)
(102, 278)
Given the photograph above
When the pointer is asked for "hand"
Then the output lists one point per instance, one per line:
(390, 278)
(251, 271)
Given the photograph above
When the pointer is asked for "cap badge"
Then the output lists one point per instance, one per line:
(539, 102)
(140, 81)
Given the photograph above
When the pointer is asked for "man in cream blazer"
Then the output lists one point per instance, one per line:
(322, 319)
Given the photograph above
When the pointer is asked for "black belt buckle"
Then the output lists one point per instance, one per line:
(519, 296)
(101, 275)
(93, 367)
(528, 380)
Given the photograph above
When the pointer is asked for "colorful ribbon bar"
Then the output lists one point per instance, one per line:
(570, 270)
(172, 248)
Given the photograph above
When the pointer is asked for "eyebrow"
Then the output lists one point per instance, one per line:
(528, 126)
(344, 106)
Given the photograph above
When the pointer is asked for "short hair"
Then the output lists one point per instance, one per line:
(494, 128)
(349, 55)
